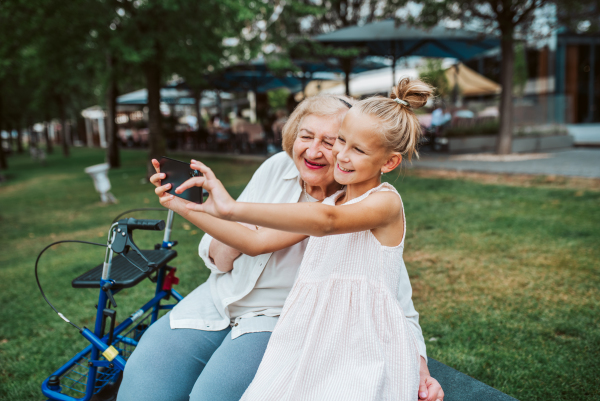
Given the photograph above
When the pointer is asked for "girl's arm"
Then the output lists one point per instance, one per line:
(378, 210)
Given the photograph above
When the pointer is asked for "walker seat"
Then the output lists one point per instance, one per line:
(123, 272)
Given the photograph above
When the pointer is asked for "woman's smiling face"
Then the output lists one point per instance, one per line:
(359, 151)
(312, 149)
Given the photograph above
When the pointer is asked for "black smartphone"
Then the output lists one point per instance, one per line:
(177, 172)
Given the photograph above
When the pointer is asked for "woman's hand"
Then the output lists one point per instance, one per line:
(167, 200)
(219, 203)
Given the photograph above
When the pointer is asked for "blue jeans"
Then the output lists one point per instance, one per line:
(187, 364)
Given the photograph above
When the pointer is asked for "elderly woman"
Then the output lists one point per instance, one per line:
(211, 344)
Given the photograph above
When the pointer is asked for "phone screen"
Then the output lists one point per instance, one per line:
(177, 172)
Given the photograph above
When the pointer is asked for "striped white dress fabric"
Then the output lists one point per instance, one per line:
(342, 334)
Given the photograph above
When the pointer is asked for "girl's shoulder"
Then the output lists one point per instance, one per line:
(389, 200)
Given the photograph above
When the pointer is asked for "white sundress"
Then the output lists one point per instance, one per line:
(342, 334)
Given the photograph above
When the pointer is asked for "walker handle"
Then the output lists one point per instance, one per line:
(145, 224)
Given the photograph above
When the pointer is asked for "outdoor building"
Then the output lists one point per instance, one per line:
(564, 69)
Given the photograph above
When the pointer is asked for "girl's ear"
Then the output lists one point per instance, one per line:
(392, 162)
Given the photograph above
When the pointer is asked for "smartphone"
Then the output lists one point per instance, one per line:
(177, 172)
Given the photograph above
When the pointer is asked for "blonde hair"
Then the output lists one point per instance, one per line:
(320, 105)
(397, 121)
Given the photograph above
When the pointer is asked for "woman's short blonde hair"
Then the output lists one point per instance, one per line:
(335, 106)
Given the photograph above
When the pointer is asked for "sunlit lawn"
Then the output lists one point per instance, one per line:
(506, 278)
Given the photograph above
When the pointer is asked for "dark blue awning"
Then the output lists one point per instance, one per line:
(384, 38)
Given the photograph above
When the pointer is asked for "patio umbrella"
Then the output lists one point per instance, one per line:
(334, 65)
(470, 82)
(370, 83)
(169, 95)
(258, 77)
(384, 38)
(253, 76)
(256, 81)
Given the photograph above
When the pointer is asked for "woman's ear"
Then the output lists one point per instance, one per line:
(393, 161)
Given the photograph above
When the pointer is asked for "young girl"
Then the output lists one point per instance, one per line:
(342, 334)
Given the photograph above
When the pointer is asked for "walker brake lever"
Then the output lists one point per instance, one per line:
(124, 254)
(123, 241)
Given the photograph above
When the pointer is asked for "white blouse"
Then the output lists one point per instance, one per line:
(279, 274)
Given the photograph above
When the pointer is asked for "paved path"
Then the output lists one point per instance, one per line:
(572, 162)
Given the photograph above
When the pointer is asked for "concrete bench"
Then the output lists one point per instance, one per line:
(460, 387)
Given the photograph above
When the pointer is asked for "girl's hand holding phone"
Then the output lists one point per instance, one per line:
(219, 203)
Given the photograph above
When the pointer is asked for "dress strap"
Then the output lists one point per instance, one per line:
(330, 200)
(384, 186)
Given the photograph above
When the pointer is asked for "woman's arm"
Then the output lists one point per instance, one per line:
(378, 210)
(247, 241)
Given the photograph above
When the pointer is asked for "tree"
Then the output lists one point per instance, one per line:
(183, 37)
(58, 60)
(10, 40)
(112, 151)
(433, 73)
(579, 15)
(298, 20)
(3, 162)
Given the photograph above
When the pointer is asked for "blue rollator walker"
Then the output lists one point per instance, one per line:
(95, 373)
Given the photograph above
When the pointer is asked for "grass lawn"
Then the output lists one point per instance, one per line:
(505, 277)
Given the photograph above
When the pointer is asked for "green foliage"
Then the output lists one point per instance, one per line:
(486, 128)
(520, 70)
(433, 73)
(278, 98)
(579, 16)
(54, 51)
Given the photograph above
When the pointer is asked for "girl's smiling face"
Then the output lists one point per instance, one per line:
(359, 151)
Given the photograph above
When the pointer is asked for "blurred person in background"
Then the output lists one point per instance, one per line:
(277, 127)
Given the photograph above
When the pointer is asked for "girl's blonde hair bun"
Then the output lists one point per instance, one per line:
(396, 122)
(413, 91)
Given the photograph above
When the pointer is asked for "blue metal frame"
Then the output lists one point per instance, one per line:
(99, 343)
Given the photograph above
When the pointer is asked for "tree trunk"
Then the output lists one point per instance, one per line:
(504, 145)
(19, 141)
(10, 138)
(346, 63)
(49, 148)
(33, 138)
(198, 99)
(63, 127)
(112, 150)
(156, 139)
(3, 163)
